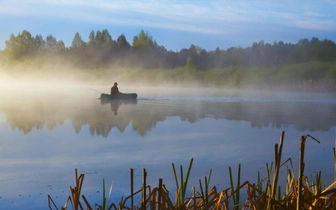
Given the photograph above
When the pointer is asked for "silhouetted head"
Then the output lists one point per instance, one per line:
(115, 84)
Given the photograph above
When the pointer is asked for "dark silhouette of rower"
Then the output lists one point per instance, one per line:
(115, 89)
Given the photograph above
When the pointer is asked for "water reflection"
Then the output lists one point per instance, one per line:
(151, 132)
(116, 103)
(102, 116)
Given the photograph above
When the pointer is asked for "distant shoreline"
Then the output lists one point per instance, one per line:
(305, 77)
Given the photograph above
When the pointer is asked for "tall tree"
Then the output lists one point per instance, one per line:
(12, 47)
(20, 45)
(315, 41)
(99, 37)
(26, 41)
(122, 42)
(39, 43)
(77, 41)
(189, 63)
(193, 49)
(51, 42)
(92, 37)
(60, 45)
(106, 37)
(143, 40)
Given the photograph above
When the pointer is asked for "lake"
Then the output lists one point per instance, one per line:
(45, 133)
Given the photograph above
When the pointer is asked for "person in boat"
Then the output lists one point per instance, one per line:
(115, 89)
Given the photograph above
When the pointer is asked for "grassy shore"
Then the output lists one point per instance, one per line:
(312, 76)
(266, 193)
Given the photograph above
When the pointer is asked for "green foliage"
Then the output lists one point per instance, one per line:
(106, 37)
(236, 195)
(102, 51)
(193, 49)
(51, 42)
(39, 43)
(262, 75)
(77, 41)
(20, 45)
(106, 200)
(189, 63)
(309, 64)
(181, 188)
(122, 42)
(99, 38)
(331, 73)
(60, 45)
(311, 71)
(205, 195)
(143, 40)
(92, 37)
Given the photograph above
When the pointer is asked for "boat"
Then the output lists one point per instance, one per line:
(115, 101)
(121, 96)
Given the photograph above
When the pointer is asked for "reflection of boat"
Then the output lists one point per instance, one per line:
(118, 101)
(115, 103)
(119, 96)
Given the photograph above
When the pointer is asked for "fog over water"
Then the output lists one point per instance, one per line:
(47, 131)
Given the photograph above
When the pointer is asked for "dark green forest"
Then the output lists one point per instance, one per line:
(306, 63)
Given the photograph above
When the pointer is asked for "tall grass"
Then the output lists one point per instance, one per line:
(265, 194)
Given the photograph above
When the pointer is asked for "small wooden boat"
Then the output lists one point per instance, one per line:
(122, 96)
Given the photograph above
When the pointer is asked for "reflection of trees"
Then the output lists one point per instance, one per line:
(144, 115)
(144, 124)
(100, 119)
(303, 115)
(26, 116)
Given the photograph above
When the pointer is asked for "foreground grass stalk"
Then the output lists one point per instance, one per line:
(181, 189)
(299, 194)
(132, 187)
(334, 150)
(144, 178)
(104, 198)
(236, 190)
(301, 169)
(278, 154)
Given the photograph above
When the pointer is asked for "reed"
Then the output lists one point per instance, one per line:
(182, 187)
(236, 195)
(299, 193)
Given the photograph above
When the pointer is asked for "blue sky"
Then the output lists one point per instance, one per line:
(175, 24)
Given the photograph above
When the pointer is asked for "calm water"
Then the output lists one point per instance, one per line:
(46, 133)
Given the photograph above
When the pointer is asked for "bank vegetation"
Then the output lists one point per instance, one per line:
(306, 65)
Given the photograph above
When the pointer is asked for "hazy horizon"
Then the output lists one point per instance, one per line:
(174, 24)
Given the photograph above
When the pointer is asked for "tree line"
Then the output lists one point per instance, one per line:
(101, 50)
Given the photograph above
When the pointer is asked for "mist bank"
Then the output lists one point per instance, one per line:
(310, 76)
(308, 65)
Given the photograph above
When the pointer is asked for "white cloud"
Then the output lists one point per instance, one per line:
(317, 25)
(214, 17)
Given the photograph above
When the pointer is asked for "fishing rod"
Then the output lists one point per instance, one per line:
(94, 90)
